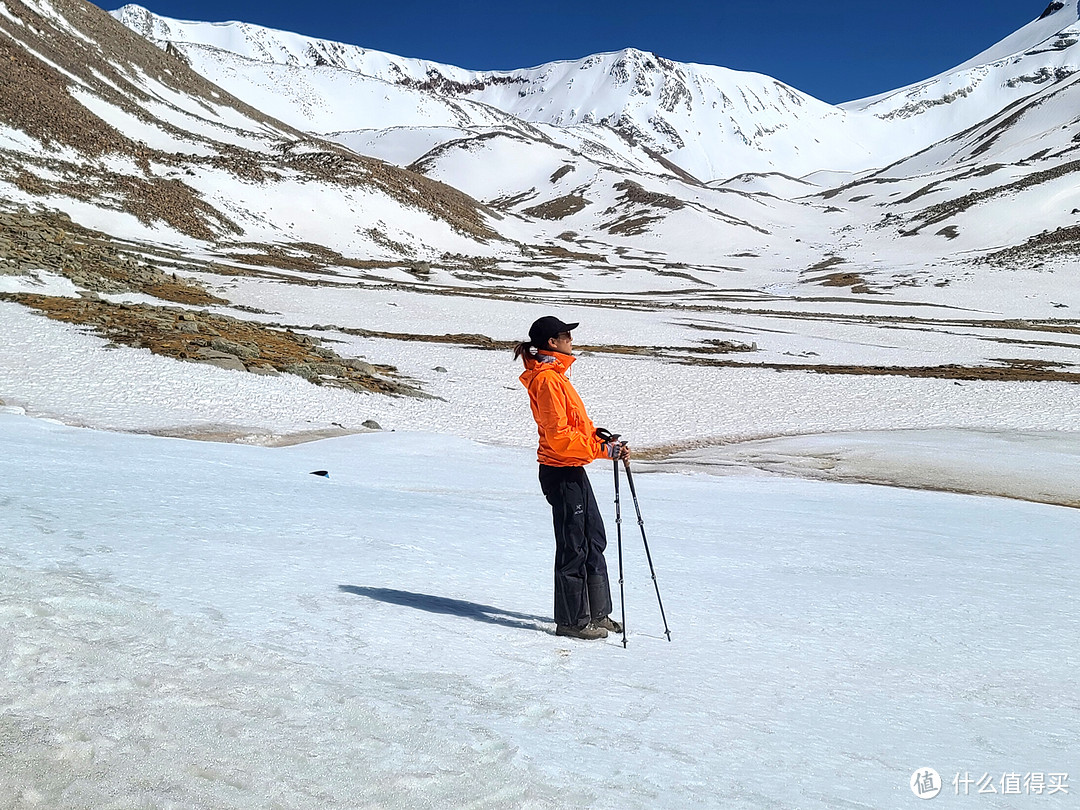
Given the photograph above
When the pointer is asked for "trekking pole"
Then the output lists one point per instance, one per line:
(618, 532)
(608, 436)
(641, 523)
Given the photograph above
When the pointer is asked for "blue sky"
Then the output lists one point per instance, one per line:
(837, 50)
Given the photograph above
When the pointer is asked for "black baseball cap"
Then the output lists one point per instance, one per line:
(548, 327)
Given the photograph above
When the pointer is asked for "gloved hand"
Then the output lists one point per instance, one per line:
(616, 450)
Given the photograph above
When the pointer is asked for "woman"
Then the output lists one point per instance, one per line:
(568, 442)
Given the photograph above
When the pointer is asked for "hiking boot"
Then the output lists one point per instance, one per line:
(608, 623)
(589, 632)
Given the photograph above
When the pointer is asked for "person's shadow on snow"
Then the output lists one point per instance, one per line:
(451, 607)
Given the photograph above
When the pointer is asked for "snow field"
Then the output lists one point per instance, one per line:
(193, 624)
(52, 369)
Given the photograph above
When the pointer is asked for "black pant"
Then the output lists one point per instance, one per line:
(582, 592)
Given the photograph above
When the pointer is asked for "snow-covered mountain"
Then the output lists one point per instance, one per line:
(1040, 52)
(126, 134)
(712, 122)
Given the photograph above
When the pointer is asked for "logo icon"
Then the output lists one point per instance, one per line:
(925, 783)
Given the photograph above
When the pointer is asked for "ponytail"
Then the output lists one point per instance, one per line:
(523, 349)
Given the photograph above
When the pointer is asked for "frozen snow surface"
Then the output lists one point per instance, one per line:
(1032, 465)
(193, 624)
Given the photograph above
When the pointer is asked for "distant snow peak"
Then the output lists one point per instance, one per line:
(709, 122)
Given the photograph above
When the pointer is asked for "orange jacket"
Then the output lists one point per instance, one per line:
(567, 435)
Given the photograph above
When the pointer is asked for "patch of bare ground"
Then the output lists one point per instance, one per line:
(304, 257)
(559, 208)
(437, 82)
(558, 252)
(825, 264)
(150, 199)
(1061, 242)
(39, 101)
(380, 238)
(35, 98)
(855, 282)
(282, 260)
(662, 452)
(676, 273)
(218, 339)
(469, 143)
(539, 269)
(44, 69)
(278, 258)
(634, 224)
(674, 168)
(51, 241)
(1050, 325)
(513, 200)
(1027, 371)
(1055, 344)
(715, 346)
(634, 193)
(561, 172)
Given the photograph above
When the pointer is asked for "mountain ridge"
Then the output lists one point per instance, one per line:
(756, 123)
